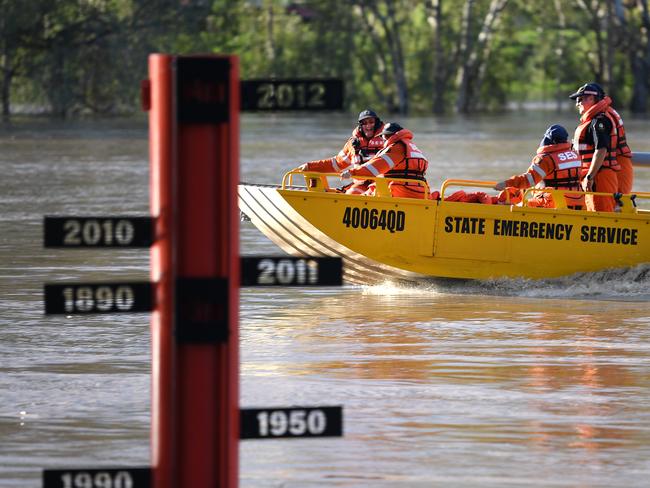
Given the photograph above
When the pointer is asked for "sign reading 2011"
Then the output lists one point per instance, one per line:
(364, 218)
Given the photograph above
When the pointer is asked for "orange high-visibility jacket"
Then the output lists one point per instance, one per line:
(348, 156)
(557, 165)
(400, 158)
(618, 147)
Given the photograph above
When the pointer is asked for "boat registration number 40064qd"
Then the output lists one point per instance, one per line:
(364, 218)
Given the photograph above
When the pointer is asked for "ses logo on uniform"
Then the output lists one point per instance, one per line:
(390, 220)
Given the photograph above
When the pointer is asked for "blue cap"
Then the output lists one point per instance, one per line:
(589, 89)
(555, 134)
(366, 114)
(391, 128)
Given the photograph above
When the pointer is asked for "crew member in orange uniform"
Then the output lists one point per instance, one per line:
(601, 143)
(399, 158)
(557, 165)
(364, 143)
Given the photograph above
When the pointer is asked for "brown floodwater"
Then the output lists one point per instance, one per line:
(465, 384)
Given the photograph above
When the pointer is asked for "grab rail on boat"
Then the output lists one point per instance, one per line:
(318, 182)
(627, 203)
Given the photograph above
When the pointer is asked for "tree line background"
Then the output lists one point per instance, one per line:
(70, 57)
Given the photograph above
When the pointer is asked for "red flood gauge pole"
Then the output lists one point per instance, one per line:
(194, 137)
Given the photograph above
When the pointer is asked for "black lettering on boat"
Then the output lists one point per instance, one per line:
(365, 216)
(533, 230)
(382, 220)
(524, 229)
(401, 221)
(465, 225)
(391, 220)
(355, 217)
(346, 216)
(547, 231)
(609, 235)
(506, 227)
(373, 218)
(448, 224)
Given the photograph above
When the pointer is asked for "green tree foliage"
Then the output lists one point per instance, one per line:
(423, 56)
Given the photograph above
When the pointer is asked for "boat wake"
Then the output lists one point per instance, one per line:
(628, 284)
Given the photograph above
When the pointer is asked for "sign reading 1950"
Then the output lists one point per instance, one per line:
(275, 423)
(297, 94)
(98, 231)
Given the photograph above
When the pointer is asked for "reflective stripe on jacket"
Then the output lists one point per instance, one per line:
(557, 165)
(586, 149)
(400, 158)
(349, 156)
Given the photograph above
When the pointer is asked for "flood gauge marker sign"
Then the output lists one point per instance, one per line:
(275, 423)
(125, 232)
(200, 305)
(291, 271)
(97, 478)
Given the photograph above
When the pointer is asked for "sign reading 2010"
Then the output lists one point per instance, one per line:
(98, 231)
(364, 218)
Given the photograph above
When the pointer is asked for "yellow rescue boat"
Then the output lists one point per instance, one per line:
(382, 238)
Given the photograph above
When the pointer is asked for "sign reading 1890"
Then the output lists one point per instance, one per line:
(93, 298)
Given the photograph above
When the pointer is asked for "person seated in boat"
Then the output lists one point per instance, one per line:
(601, 142)
(364, 143)
(399, 158)
(556, 165)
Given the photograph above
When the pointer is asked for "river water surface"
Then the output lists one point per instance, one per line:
(500, 383)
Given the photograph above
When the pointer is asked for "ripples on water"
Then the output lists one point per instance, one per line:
(500, 383)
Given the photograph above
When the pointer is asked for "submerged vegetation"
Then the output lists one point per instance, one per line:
(425, 56)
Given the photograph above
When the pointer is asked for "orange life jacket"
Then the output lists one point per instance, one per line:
(414, 165)
(399, 158)
(566, 164)
(617, 144)
(622, 149)
(368, 147)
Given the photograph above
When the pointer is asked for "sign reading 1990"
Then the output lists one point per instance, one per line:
(97, 478)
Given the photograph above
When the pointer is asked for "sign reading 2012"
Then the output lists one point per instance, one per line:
(390, 220)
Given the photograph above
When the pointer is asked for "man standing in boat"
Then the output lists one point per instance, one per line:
(557, 165)
(360, 148)
(600, 140)
(399, 158)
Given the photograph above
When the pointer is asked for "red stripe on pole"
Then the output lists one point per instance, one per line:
(161, 135)
(196, 384)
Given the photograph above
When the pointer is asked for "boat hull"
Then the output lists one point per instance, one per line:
(383, 238)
